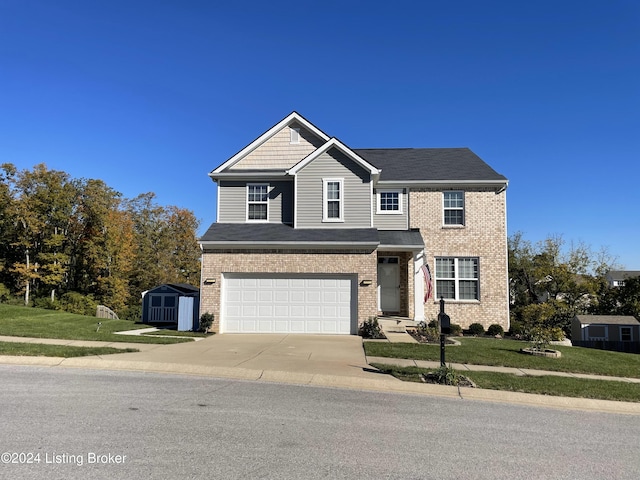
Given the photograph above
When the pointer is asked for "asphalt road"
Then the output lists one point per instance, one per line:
(78, 424)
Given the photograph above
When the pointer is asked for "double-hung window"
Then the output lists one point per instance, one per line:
(389, 202)
(626, 334)
(453, 208)
(333, 200)
(457, 278)
(257, 201)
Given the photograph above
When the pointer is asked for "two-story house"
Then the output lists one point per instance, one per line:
(313, 236)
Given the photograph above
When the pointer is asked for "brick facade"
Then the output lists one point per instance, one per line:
(217, 262)
(483, 236)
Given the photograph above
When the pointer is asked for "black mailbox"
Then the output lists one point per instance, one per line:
(443, 320)
(445, 323)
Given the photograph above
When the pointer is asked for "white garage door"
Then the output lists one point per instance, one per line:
(288, 304)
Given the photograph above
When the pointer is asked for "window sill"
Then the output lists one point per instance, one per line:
(457, 302)
(332, 220)
(453, 227)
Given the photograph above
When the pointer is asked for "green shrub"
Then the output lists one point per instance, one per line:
(131, 312)
(495, 329)
(428, 332)
(371, 329)
(445, 376)
(4, 293)
(539, 337)
(46, 303)
(74, 302)
(206, 320)
(517, 329)
(557, 334)
(432, 324)
(456, 330)
(476, 329)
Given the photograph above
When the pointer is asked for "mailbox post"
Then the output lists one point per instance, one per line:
(444, 322)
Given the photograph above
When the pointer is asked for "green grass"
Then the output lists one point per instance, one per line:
(542, 385)
(43, 350)
(39, 323)
(506, 353)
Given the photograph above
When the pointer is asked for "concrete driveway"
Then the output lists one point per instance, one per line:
(340, 355)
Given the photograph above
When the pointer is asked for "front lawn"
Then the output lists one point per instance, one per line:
(44, 350)
(543, 385)
(39, 323)
(506, 353)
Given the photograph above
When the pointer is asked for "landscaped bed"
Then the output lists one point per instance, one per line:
(540, 385)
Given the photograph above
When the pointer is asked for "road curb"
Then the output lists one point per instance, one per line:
(383, 384)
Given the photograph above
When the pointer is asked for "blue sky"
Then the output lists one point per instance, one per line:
(152, 95)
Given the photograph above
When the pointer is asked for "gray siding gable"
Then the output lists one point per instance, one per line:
(233, 200)
(356, 195)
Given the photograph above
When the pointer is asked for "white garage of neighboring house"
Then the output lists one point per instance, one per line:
(288, 303)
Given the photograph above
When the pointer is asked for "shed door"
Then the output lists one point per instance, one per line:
(289, 304)
(164, 308)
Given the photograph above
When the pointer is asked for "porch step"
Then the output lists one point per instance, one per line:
(395, 324)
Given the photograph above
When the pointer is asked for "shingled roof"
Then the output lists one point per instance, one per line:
(429, 164)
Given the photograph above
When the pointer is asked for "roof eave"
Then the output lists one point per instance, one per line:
(288, 245)
(497, 184)
(237, 174)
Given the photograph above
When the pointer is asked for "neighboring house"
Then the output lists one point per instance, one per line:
(607, 332)
(172, 304)
(616, 278)
(313, 236)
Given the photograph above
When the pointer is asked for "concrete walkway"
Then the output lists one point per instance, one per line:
(318, 360)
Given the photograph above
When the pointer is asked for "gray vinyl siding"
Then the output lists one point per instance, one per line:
(356, 195)
(392, 221)
(233, 201)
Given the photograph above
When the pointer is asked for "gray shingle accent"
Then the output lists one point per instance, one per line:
(408, 238)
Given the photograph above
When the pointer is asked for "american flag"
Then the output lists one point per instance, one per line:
(428, 290)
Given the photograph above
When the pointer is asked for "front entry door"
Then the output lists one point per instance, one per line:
(389, 284)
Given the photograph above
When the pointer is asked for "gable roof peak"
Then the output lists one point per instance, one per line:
(293, 117)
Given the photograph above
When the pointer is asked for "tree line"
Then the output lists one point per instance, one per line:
(75, 243)
(551, 282)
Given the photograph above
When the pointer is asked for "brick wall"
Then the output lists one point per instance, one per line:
(484, 236)
(215, 263)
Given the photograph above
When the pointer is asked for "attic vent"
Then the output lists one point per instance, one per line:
(294, 135)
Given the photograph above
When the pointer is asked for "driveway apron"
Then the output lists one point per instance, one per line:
(340, 355)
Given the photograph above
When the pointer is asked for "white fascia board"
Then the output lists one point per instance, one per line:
(334, 142)
(240, 175)
(292, 117)
(498, 184)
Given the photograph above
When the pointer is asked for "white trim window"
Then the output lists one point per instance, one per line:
(453, 211)
(332, 199)
(389, 202)
(258, 202)
(457, 278)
